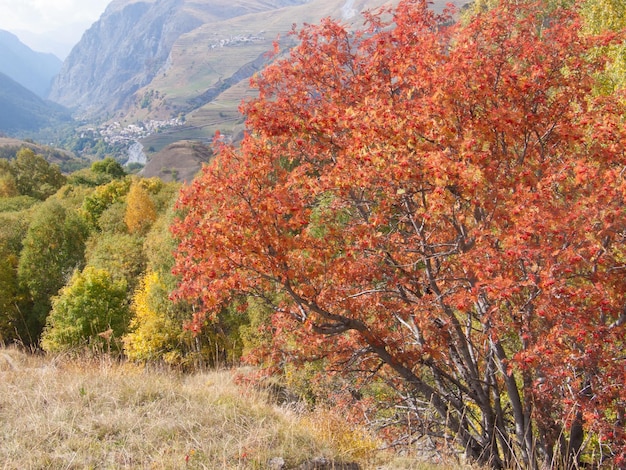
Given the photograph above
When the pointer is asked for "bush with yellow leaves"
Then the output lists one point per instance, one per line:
(154, 334)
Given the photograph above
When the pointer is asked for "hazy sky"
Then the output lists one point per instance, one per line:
(40, 16)
(62, 21)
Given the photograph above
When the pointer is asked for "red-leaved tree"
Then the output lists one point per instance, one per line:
(441, 207)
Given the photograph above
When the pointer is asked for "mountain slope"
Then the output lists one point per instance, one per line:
(22, 111)
(130, 43)
(209, 68)
(179, 161)
(32, 70)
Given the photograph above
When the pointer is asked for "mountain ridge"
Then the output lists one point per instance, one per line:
(22, 111)
(33, 70)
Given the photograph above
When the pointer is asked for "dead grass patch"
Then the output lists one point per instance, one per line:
(65, 414)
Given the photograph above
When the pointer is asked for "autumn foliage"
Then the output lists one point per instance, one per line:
(140, 210)
(440, 208)
(153, 334)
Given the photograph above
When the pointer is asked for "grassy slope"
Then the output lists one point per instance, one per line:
(186, 156)
(198, 61)
(56, 413)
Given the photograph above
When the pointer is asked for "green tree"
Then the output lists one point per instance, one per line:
(102, 198)
(112, 218)
(13, 228)
(109, 166)
(87, 177)
(34, 176)
(16, 204)
(9, 298)
(13, 296)
(120, 254)
(91, 311)
(160, 245)
(609, 15)
(53, 248)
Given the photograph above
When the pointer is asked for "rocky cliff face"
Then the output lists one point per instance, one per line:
(119, 54)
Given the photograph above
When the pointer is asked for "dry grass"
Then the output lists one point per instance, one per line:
(61, 414)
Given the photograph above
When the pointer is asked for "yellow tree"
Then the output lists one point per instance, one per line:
(153, 333)
(140, 210)
(601, 15)
(8, 187)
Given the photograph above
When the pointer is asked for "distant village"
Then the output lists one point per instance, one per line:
(114, 133)
(126, 139)
(236, 40)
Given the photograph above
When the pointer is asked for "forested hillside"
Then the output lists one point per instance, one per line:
(86, 265)
(73, 250)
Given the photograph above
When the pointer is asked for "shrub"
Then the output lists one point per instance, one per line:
(90, 311)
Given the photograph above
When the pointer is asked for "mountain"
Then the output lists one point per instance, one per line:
(131, 42)
(159, 59)
(58, 41)
(22, 111)
(33, 70)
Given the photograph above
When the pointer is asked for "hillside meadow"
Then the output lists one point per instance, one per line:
(57, 412)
